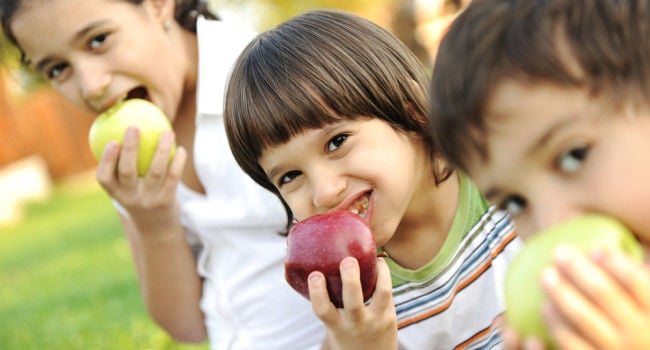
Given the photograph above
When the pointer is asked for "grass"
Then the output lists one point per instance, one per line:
(67, 280)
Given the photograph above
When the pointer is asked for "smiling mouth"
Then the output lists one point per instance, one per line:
(360, 207)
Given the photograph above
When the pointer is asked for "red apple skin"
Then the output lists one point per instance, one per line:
(320, 242)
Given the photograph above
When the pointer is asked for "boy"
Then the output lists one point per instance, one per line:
(328, 110)
(544, 103)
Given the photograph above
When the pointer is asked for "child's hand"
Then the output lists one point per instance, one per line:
(357, 326)
(117, 174)
(512, 341)
(602, 302)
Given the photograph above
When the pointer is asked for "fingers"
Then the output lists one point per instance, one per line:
(562, 332)
(382, 297)
(105, 173)
(352, 292)
(356, 325)
(633, 276)
(352, 295)
(117, 171)
(320, 301)
(510, 339)
(127, 171)
(175, 171)
(598, 302)
(533, 343)
(354, 309)
(576, 309)
(158, 167)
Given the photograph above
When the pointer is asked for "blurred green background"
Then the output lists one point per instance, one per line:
(68, 280)
(66, 275)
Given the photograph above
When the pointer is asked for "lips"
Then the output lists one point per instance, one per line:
(139, 92)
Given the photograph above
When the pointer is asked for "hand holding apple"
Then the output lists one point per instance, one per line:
(320, 242)
(140, 113)
(523, 293)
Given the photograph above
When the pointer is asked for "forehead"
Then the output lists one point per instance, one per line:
(41, 24)
(293, 147)
(520, 118)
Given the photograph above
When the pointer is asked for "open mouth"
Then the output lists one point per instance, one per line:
(360, 207)
(138, 92)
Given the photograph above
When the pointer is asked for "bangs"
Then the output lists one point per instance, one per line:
(269, 115)
(315, 70)
(285, 85)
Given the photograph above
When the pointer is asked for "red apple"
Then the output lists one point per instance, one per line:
(320, 242)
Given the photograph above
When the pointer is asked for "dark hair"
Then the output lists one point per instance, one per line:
(186, 14)
(317, 68)
(602, 46)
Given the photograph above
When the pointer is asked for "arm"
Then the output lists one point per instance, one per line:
(169, 282)
(356, 326)
(601, 301)
(166, 269)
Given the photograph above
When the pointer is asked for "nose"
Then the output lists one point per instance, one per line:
(327, 189)
(93, 82)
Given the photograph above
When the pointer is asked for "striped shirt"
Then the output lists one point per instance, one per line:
(452, 302)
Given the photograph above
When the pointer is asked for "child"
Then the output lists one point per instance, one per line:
(545, 104)
(205, 238)
(328, 111)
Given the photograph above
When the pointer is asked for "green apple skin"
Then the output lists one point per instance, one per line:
(523, 292)
(139, 113)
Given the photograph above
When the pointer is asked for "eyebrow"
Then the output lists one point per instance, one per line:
(80, 35)
(491, 193)
(552, 130)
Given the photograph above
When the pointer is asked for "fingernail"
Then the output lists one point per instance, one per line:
(347, 263)
(167, 135)
(131, 131)
(550, 277)
(315, 277)
(564, 253)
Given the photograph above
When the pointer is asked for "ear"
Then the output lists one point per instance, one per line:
(163, 10)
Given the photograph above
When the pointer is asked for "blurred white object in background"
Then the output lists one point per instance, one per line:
(433, 18)
(26, 180)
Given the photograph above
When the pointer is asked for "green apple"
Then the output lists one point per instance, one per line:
(523, 292)
(139, 113)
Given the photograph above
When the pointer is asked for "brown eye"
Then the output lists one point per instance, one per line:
(56, 71)
(336, 142)
(288, 177)
(97, 41)
(571, 161)
(514, 204)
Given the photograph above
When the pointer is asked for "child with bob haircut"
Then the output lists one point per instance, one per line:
(327, 110)
(546, 105)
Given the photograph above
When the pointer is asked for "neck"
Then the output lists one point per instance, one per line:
(425, 225)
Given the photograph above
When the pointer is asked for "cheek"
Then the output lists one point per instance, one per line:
(71, 93)
(299, 205)
(622, 190)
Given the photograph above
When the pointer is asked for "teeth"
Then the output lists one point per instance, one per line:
(360, 207)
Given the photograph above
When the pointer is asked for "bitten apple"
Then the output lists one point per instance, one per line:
(523, 293)
(320, 242)
(139, 113)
